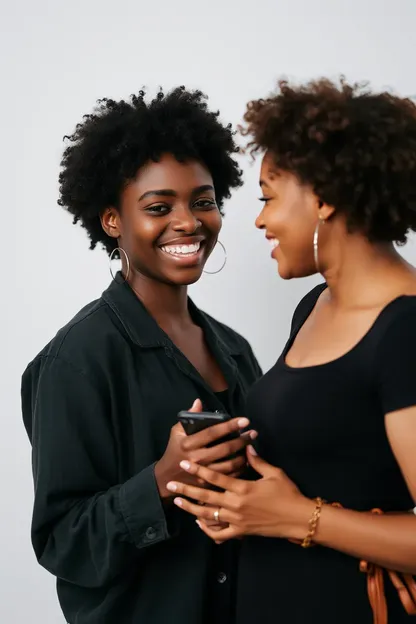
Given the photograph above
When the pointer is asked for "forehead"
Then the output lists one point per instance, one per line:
(268, 170)
(168, 173)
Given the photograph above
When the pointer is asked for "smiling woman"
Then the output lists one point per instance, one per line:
(167, 222)
(100, 402)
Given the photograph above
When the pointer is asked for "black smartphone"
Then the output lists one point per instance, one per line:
(193, 423)
(196, 422)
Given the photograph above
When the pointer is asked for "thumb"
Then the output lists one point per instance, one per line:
(262, 467)
(196, 406)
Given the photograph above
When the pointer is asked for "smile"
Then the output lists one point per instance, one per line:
(274, 243)
(181, 251)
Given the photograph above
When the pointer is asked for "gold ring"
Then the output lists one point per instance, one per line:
(217, 515)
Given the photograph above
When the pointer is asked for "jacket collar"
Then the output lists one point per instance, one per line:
(144, 331)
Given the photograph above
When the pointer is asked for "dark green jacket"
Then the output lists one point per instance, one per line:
(98, 405)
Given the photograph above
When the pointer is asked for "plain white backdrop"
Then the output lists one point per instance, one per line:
(59, 57)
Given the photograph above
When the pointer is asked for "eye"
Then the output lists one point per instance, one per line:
(158, 209)
(264, 199)
(205, 204)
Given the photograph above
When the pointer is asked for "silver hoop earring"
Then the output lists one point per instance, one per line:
(223, 264)
(316, 243)
(118, 249)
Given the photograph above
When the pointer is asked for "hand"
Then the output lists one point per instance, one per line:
(193, 448)
(212, 524)
(273, 506)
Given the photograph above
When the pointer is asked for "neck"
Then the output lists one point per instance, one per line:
(363, 274)
(167, 304)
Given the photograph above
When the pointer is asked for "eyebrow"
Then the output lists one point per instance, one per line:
(172, 193)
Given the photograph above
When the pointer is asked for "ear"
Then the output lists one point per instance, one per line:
(110, 222)
(325, 211)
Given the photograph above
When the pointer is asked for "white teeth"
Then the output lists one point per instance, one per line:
(181, 250)
(274, 243)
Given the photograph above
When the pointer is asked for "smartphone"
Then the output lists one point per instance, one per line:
(193, 423)
(196, 422)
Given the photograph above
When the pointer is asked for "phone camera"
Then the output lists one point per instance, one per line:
(191, 422)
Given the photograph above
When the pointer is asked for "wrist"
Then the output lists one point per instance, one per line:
(162, 480)
(302, 513)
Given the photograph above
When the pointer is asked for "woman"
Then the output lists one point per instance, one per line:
(336, 415)
(100, 402)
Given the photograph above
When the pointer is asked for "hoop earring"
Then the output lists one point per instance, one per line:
(316, 243)
(223, 264)
(118, 249)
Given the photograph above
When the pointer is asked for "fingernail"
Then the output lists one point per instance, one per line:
(178, 502)
(252, 450)
(253, 435)
(172, 487)
(185, 465)
(243, 422)
(198, 523)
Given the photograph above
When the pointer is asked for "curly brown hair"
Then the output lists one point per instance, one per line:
(355, 148)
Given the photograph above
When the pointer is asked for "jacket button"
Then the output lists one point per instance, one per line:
(222, 577)
(151, 534)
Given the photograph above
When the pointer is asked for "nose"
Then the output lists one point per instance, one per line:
(260, 224)
(185, 221)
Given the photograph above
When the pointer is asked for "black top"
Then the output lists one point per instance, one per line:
(98, 405)
(324, 425)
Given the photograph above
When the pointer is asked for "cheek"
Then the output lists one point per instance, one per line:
(212, 221)
(142, 231)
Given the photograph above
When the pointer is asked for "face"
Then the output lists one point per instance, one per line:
(289, 217)
(168, 222)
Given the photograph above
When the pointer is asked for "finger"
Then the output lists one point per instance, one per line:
(214, 478)
(216, 526)
(201, 495)
(211, 527)
(216, 432)
(229, 467)
(210, 455)
(205, 513)
(262, 467)
(231, 532)
(196, 407)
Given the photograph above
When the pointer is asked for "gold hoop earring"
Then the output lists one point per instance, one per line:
(118, 249)
(223, 264)
(321, 220)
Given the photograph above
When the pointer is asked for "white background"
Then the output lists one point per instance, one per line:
(56, 58)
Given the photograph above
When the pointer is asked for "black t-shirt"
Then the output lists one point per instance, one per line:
(324, 426)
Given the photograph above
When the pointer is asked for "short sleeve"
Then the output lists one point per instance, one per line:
(396, 361)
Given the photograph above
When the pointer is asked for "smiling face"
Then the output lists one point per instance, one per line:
(168, 220)
(289, 217)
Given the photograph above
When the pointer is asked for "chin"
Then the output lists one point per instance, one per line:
(288, 273)
(185, 278)
(284, 272)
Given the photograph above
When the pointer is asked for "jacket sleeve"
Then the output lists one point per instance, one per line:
(86, 529)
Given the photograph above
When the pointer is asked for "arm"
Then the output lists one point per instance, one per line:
(389, 540)
(86, 528)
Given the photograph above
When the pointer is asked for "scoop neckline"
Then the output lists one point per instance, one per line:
(345, 355)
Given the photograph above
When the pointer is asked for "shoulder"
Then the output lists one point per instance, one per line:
(306, 304)
(396, 325)
(84, 338)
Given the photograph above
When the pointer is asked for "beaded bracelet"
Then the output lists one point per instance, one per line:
(313, 523)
